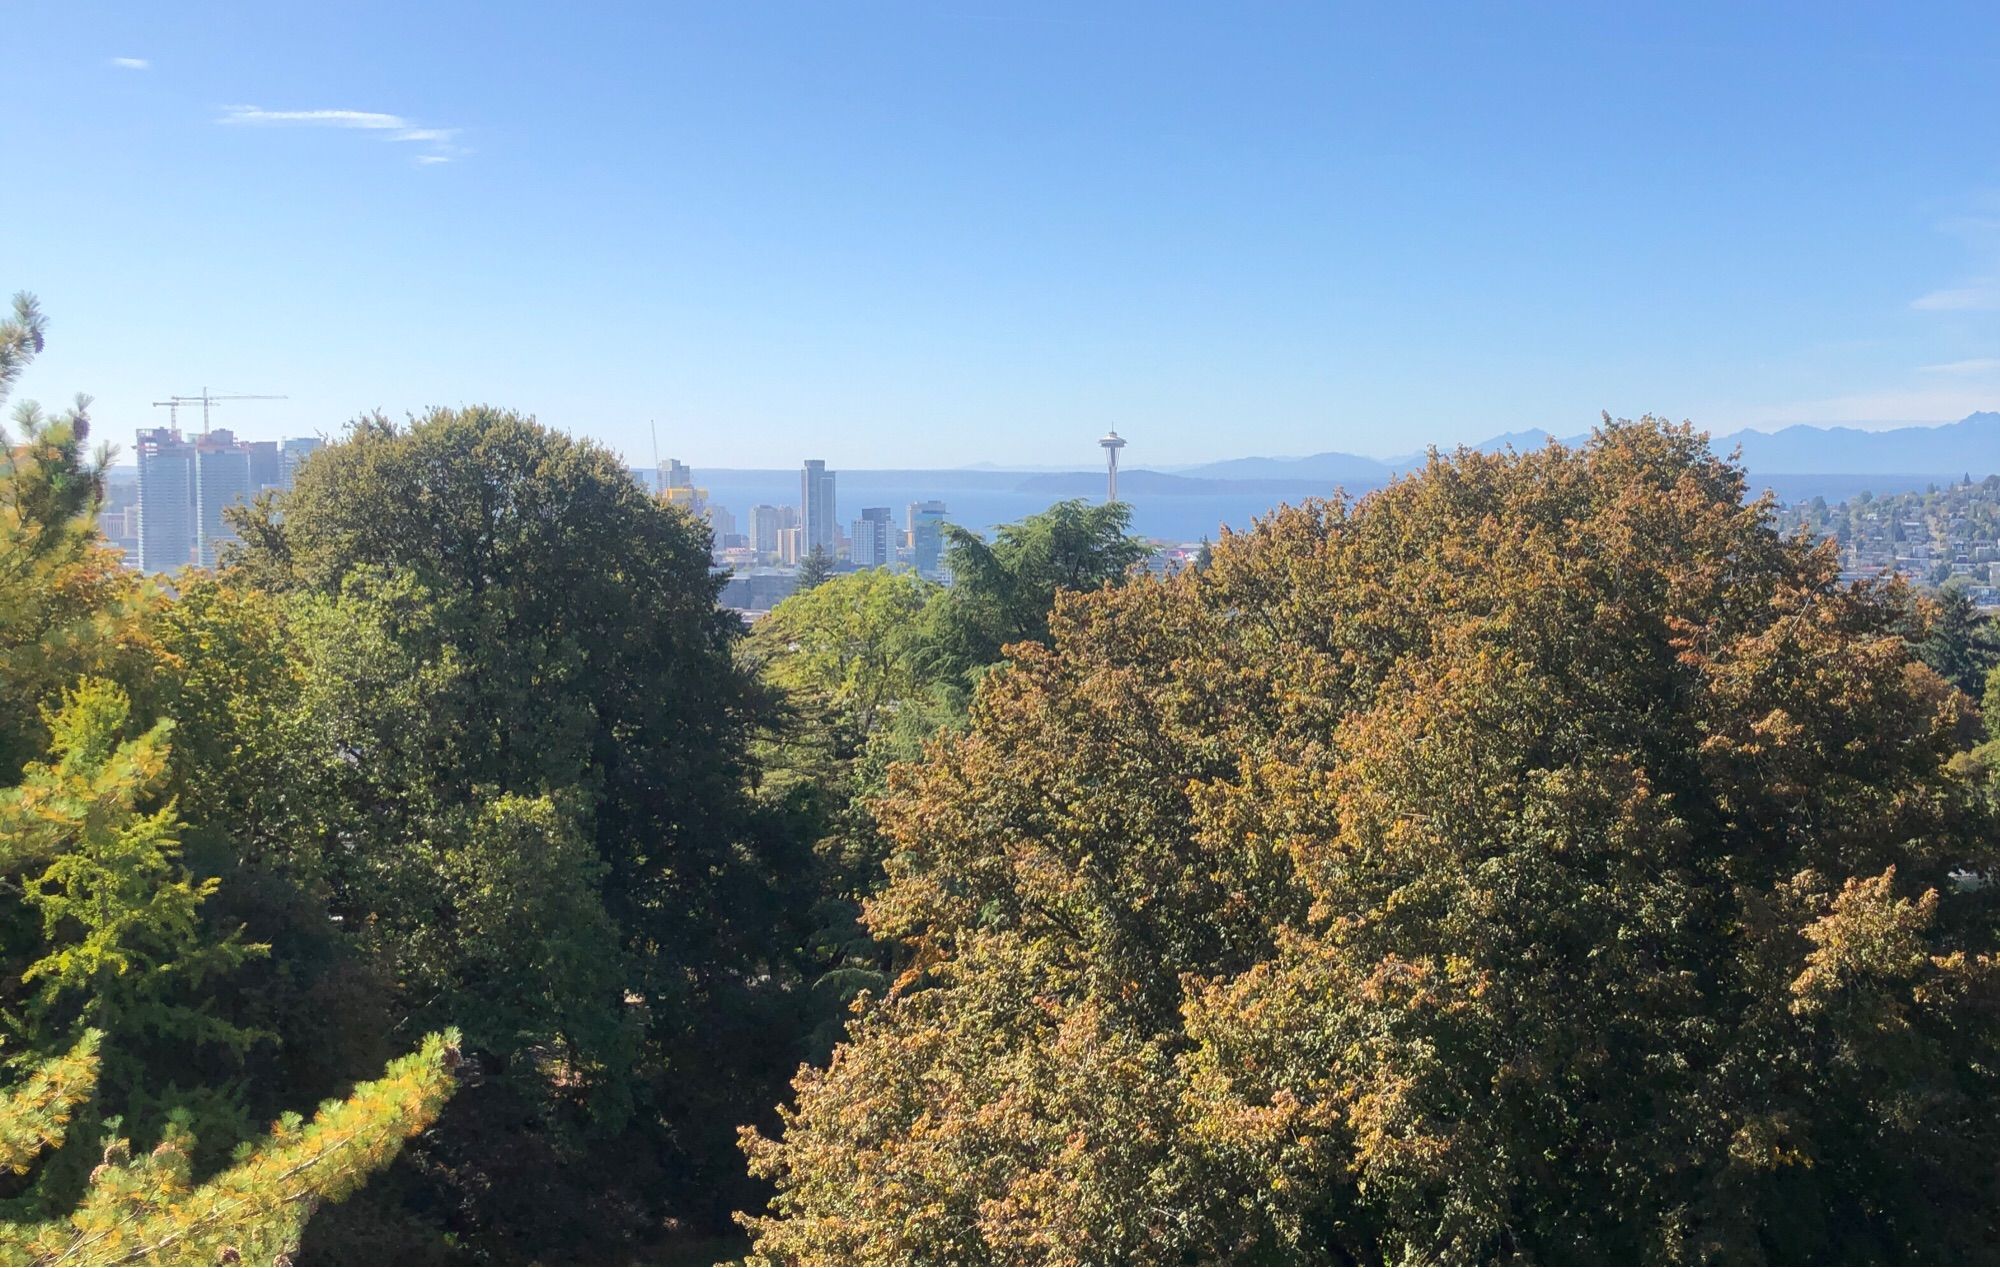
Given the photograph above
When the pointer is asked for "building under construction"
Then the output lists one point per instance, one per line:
(187, 485)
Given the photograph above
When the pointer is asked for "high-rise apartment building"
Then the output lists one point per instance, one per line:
(291, 454)
(186, 485)
(267, 466)
(766, 522)
(221, 480)
(872, 545)
(166, 500)
(816, 515)
(925, 526)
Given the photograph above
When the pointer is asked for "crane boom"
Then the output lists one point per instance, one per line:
(207, 400)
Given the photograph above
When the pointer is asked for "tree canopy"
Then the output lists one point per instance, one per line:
(1545, 858)
(518, 706)
(1540, 859)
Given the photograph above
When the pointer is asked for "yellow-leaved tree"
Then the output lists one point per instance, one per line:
(150, 1209)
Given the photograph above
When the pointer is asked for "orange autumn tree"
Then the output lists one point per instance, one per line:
(1539, 859)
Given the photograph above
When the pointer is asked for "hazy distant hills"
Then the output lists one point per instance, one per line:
(1332, 467)
(1344, 468)
(1139, 482)
(1969, 446)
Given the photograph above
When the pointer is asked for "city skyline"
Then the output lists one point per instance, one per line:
(1806, 448)
(785, 229)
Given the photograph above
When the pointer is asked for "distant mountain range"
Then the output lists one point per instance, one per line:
(1969, 446)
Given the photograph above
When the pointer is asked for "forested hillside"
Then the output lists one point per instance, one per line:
(1542, 859)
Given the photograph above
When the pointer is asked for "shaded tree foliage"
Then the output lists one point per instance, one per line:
(524, 737)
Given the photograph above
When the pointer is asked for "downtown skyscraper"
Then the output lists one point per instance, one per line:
(816, 513)
(871, 543)
(221, 480)
(924, 526)
(166, 500)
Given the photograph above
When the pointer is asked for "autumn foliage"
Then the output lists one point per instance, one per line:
(1540, 859)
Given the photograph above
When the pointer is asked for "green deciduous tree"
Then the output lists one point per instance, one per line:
(525, 737)
(853, 644)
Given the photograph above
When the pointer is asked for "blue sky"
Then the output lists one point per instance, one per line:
(933, 234)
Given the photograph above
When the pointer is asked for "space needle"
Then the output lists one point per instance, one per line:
(1112, 443)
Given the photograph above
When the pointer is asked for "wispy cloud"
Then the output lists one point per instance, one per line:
(131, 63)
(391, 127)
(1905, 392)
(319, 118)
(1976, 225)
(1976, 296)
(1971, 365)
